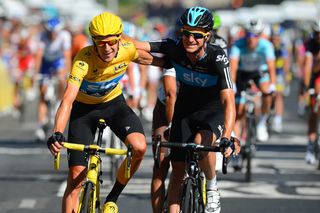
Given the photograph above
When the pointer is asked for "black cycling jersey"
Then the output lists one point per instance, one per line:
(200, 83)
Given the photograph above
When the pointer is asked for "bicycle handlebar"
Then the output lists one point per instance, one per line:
(93, 148)
(191, 147)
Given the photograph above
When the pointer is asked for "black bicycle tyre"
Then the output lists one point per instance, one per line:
(85, 207)
(248, 149)
(187, 201)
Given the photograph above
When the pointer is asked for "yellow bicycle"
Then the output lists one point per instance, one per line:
(90, 200)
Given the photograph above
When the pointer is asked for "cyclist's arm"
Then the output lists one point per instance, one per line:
(226, 96)
(308, 61)
(65, 107)
(38, 60)
(170, 88)
(270, 60)
(147, 58)
(228, 102)
(234, 64)
(272, 71)
(140, 45)
(67, 57)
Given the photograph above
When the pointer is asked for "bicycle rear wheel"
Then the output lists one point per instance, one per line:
(248, 148)
(87, 202)
(188, 197)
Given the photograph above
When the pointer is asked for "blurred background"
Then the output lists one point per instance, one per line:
(20, 16)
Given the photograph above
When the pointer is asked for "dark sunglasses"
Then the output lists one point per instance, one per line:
(194, 34)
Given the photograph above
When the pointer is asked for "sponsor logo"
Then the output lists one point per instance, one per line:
(74, 78)
(119, 67)
(194, 79)
(127, 128)
(222, 58)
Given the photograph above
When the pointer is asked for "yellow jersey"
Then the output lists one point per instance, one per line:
(98, 81)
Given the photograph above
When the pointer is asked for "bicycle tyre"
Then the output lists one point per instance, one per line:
(187, 201)
(85, 207)
(248, 149)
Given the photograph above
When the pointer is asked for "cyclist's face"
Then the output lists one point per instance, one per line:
(252, 40)
(107, 47)
(276, 40)
(193, 39)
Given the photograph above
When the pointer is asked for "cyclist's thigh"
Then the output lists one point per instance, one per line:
(159, 120)
(263, 81)
(82, 128)
(122, 119)
(242, 79)
(180, 133)
(209, 123)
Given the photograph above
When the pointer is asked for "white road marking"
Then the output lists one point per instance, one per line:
(27, 203)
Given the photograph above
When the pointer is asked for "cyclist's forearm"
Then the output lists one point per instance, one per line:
(233, 69)
(272, 71)
(62, 117)
(170, 88)
(228, 102)
(140, 45)
(307, 70)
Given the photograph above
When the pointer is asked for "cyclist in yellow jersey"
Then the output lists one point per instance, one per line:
(93, 92)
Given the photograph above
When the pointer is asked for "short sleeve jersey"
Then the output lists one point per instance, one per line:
(200, 83)
(252, 60)
(98, 81)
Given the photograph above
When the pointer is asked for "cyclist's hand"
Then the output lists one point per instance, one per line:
(226, 146)
(54, 142)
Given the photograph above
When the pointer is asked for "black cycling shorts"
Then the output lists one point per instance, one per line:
(84, 119)
(185, 126)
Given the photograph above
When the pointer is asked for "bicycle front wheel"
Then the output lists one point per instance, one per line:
(188, 197)
(87, 199)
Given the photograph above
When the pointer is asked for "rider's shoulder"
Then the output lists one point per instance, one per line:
(86, 53)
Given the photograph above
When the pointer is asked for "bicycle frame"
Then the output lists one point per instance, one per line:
(194, 183)
(249, 147)
(90, 193)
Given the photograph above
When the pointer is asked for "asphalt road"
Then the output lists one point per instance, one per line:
(282, 181)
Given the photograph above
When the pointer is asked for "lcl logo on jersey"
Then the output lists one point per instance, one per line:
(119, 67)
(223, 58)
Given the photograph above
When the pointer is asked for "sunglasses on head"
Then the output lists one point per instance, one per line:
(194, 34)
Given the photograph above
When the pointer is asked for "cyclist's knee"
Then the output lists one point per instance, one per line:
(139, 145)
(76, 176)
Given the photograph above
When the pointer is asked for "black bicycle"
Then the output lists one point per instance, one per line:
(194, 192)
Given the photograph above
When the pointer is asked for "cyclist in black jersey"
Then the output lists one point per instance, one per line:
(205, 108)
